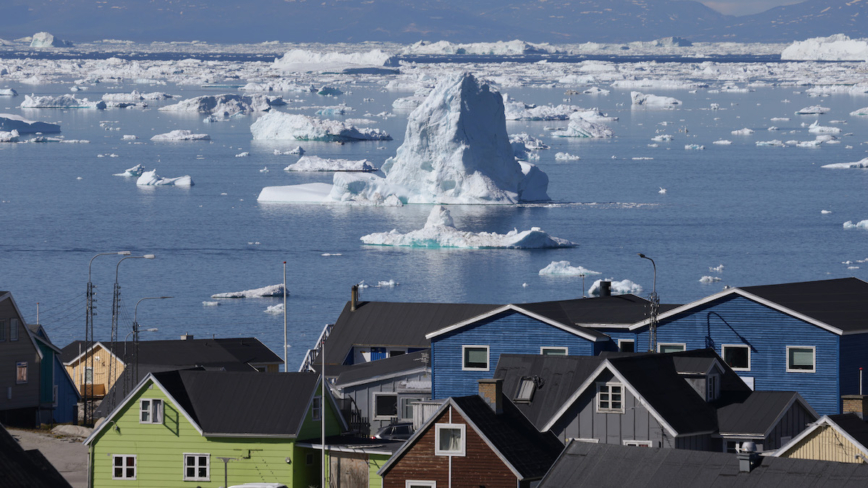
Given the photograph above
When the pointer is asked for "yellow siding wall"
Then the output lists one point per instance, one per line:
(825, 444)
(100, 369)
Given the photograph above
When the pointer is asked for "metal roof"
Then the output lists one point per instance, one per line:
(613, 465)
(617, 310)
(382, 368)
(185, 353)
(756, 412)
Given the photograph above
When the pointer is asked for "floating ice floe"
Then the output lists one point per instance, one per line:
(694, 147)
(522, 145)
(838, 47)
(44, 39)
(595, 91)
(133, 172)
(825, 212)
(11, 136)
(813, 110)
(129, 138)
(514, 110)
(242, 155)
(315, 163)
(265, 291)
(210, 304)
(774, 143)
(10, 122)
(662, 191)
(816, 128)
(742, 132)
(180, 135)
(858, 225)
(150, 178)
(717, 269)
(645, 100)
(722, 142)
(372, 62)
(275, 308)
(662, 138)
(222, 107)
(562, 156)
(863, 164)
(336, 110)
(135, 96)
(279, 126)
(579, 127)
(563, 268)
(861, 111)
(62, 101)
(8, 92)
(624, 287)
(440, 231)
(709, 279)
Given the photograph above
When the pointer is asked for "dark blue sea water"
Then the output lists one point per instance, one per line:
(756, 210)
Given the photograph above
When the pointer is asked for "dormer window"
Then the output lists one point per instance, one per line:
(711, 388)
(526, 389)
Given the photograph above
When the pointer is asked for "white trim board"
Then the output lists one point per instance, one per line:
(824, 420)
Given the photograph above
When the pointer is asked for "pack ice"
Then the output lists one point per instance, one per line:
(283, 126)
(10, 122)
(225, 106)
(863, 164)
(838, 47)
(440, 231)
(580, 127)
(150, 178)
(563, 268)
(644, 100)
(180, 135)
(315, 163)
(265, 291)
(63, 101)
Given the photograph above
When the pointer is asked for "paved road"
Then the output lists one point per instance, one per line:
(67, 454)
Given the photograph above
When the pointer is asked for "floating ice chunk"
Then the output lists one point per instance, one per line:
(264, 170)
(8, 92)
(440, 232)
(824, 212)
(859, 225)
(135, 96)
(694, 147)
(522, 144)
(595, 115)
(408, 103)
(662, 138)
(662, 191)
(222, 107)
(275, 309)
(387, 284)
(180, 135)
(813, 110)
(133, 172)
(62, 101)
(150, 178)
(11, 136)
(816, 128)
(780, 119)
(579, 127)
(562, 156)
(129, 138)
(265, 291)
(371, 62)
(563, 268)
(775, 143)
(305, 193)
(742, 132)
(297, 151)
(210, 304)
(863, 164)
(815, 143)
(709, 279)
(44, 39)
(515, 110)
(833, 48)
(327, 254)
(595, 91)
(279, 125)
(861, 111)
(715, 106)
(336, 110)
(645, 100)
(717, 269)
(624, 287)
(315, 163)
(722, 142)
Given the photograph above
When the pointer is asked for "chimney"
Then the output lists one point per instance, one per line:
(354, 297)
(186, 337)
(491, 391)
(605, 288)
(857, 404)
(748, 458)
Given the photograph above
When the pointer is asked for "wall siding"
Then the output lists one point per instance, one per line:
(825, 444)
(67, 397)
(854, 355)
(363, 395)
(107, 363)
(12, 352)
(792, 424)
(737, 320)
(507, 333)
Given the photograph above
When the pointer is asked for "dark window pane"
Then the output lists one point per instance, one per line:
(386, 406)
(628, 346)
(737, 357)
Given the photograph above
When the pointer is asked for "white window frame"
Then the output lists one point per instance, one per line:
(13, 329)
(661, 344)
(787, 359)
(151, 410)
(438, 428)
(633, 341)
(635, 443)
(402, 402)
(740, 346)
(207, 466)
(487, 358)
(124, 467)
(608, 385)
(316, 408)
(412, 483)
(542, 350)
(19, 365)
(374, 405)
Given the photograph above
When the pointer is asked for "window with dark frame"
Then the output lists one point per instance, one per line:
(123, 467)
(800, 359)
(737, 357)
(386, 405)
(475, 358)
(526, 389)
(197, 467)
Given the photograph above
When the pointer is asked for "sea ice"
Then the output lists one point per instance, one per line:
(579, 127)
(717, 269)
(859, 225)
(210, 304)
(265, 291)
(150, 178)
(129, 138)
(372, 62)
(708, 279)
(180, 135)
(515, 110)
(440, 231)
(863, 164)
(742, 132)
(722, 142)
(562, 156)
(563, 268)
(275, 309)
(280, 125)
(813, 110)
(315, 163)
(641, 99)
(838, 47)
(694, 147)
(44, 39)
(8, 92)
(222, 107)
(11, 136)
(135, 171)
(242, 155)
(816, 128)
(773, 143)
(618, 288)
(62, 101)
(861, 111)
(662, 138)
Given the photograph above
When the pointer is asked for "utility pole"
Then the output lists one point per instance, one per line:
(655, 307)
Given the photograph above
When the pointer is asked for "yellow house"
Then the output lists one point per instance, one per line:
(840, 438)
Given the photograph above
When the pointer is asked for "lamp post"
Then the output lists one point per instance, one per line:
(136, 331)
(152, 329)
(655, 306)
(88, 337)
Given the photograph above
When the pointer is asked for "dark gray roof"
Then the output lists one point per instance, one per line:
(613, 310)
(755, 413)
(530, 451)
(692, 364)
(608, 465)
(25, 469)
(233, 353)
(383, 367)
(394, 324)
(841, 303)
(852, 425)
(127, 383)
(242, 403)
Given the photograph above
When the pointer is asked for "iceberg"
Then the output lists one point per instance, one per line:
(514, 110)
(372, 62)
(408, 103)
(10, 122)
(641, 99)
(135, 171)
(315, 163)
(440, 232)
(224, 106)
(708, 279)
(135, 96)
(180, 135)
(279, 126)
(863, 164)
(562, 156)
(44, 39)
(813, 110)
(150, 178)
(62, 101)
(265, 291)
(275, 309)
(742, 132)
(11, 136)
(816, 128)
(522, 144)
(563, 268)
(694, 147)
(859, 225)
(772, 143)
(8, 92)
(833, 48)
(861, 111)
(624, 287)
(579, 127)
(722, 142)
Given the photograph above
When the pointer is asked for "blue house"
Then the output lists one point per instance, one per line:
(810, 337)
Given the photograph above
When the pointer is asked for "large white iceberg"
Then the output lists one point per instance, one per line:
(624, 287)
(858, 225)
(645, 100)
(315, 163)
(440, 231)
(833, 48)
(863, 164)
(11, 136)
(10, 122)
(816, 128)
(180, 135)
(372, 62)
(44, 39)
(62, 101)
(150, 178)
(265, 291)
(224, 106)
(283, 126)
(515, 110)
(563, 268)
(861, 111)
(579, 127)
(133, 172)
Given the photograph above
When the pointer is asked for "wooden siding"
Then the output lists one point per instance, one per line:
(793, 423)
(479, 467)
(854, 355)
(67, 398)
(581, 421)
(737, 320)
(363, 396)
(373, 463)
(101, 368)
(506, 333)
(13, 352)
(697, 443)
(825, 444)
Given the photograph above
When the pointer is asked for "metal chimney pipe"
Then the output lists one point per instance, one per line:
(605, 288)
(354, 297)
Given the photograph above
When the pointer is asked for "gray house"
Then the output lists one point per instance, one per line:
(687, 400)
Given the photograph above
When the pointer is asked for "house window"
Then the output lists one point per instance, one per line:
(449, 439)
(420, 484)
(711, 388)
(610, 398)
(554, 351)
(732, 447)
(123, 467)
(396, 352)
(13, 329)
(88, 376)
(475, 358)
(666, 348)
(407, 407)
(801, 359)
(736, 356)
(151, 411)
(20, 373)
(634, 443)
(3, 330)
(197, 467)
(316, 409)
(626, 345)
(526, 389)
(385, 406)
(54, 396)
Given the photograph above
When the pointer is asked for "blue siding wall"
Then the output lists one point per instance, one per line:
(737, 320)
(507, 333)
(618, 334)
(67, 398)
(854, 355)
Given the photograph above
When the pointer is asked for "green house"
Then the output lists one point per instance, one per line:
(195, 428)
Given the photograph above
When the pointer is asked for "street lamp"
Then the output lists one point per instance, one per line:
(136, 330)
(152, 329)
(655, 306)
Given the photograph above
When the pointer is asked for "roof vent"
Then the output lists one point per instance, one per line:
(354, 297)
(605, 288)
(748, 458)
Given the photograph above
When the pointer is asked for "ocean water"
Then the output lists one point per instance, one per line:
(756, 210)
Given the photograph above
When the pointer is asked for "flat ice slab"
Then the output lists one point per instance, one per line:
(863, 164)
(306, 193)
(284, 126)
(150, 178)
(315, 163)
(563, 268)
(265, 291)
(180, 135)
(63, 101)
(647, 100)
